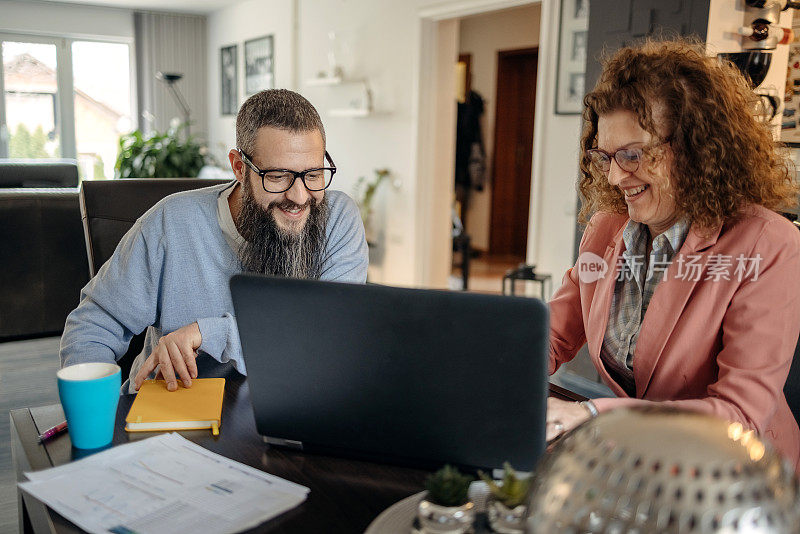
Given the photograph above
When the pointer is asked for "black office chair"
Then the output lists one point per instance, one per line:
(109, 208)
(792, 387)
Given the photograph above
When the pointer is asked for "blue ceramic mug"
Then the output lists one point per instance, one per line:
(89, 394)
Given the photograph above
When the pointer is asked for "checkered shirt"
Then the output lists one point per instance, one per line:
(636, 282)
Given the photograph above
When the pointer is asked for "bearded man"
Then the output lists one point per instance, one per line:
(170, 272)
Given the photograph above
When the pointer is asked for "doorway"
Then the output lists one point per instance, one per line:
(492, 46)
(452, 30)
(513, 141)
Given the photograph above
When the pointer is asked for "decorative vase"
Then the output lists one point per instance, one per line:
(505, 520)
(436, 519)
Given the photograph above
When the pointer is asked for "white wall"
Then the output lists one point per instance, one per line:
(47, 18)
(483, 36)
(376, 40)
(446, 114)
(551, 226)
(380, 40)
(235, 25)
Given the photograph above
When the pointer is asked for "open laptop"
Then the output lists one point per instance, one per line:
(409, 376)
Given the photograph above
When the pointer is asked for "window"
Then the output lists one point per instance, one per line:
(65, 98)
(102, 90)
(31, 100)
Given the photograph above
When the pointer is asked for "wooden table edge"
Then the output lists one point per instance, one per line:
(565, 394)
(28, 455)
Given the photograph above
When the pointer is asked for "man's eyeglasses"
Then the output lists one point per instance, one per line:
(628, 159)
(280, 180)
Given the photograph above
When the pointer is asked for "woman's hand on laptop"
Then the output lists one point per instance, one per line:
(175, 354)
(563, 416)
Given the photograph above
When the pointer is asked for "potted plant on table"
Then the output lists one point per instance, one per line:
(506, 508)
(446, 508)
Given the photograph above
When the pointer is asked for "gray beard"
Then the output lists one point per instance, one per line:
(269, 249)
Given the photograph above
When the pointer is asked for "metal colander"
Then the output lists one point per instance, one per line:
(656, 470)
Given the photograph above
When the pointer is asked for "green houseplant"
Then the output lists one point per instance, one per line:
(365, 194)
(507, 508)
(446, 507)
(159, 155)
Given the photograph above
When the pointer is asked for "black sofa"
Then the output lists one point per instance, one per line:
(16, 173)
(41, 246)
(43, 260)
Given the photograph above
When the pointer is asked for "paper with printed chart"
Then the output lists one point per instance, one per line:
(162, 484)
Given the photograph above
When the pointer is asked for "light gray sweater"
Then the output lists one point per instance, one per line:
(172, 268)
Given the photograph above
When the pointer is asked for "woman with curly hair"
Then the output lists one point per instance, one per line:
(687, 285)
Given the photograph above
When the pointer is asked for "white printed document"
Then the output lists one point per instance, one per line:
(160, 485)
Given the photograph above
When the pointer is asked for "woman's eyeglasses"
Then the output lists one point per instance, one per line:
(628, 159)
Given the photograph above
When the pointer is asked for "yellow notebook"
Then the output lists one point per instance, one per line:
(155, 408)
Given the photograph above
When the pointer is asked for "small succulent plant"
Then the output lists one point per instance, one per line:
(513, 490)
(448, 487)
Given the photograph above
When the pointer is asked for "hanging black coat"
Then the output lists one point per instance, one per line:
(470, 154)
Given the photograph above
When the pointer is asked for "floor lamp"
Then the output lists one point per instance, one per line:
(170, 78)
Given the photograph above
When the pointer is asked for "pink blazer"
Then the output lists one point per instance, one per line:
(717, 346)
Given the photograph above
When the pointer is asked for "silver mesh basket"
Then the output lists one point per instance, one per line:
(656, 470)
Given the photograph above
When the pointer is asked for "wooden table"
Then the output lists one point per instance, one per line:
(346, 495)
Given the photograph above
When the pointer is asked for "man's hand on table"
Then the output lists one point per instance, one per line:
(175, 353)
(563, 416)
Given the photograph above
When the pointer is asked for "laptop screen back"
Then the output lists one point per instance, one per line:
(419, 377)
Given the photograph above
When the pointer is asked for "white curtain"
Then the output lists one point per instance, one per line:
(174, 44)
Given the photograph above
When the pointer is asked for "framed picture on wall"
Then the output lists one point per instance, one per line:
(571, 63)
(228, 75)
(259, 65)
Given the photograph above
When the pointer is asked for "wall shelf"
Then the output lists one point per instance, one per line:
(350, 112)
(324, 81)
(364, 109)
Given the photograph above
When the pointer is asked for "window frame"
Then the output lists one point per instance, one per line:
(65, 86)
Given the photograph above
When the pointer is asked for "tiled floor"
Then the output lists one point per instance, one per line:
(27, 378)
(485, 273)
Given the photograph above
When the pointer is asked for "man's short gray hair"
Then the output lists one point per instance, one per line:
(277, 108)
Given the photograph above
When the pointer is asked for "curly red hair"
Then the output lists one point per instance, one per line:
(723, 157)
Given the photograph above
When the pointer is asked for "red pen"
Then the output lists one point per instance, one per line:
(50, 432)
